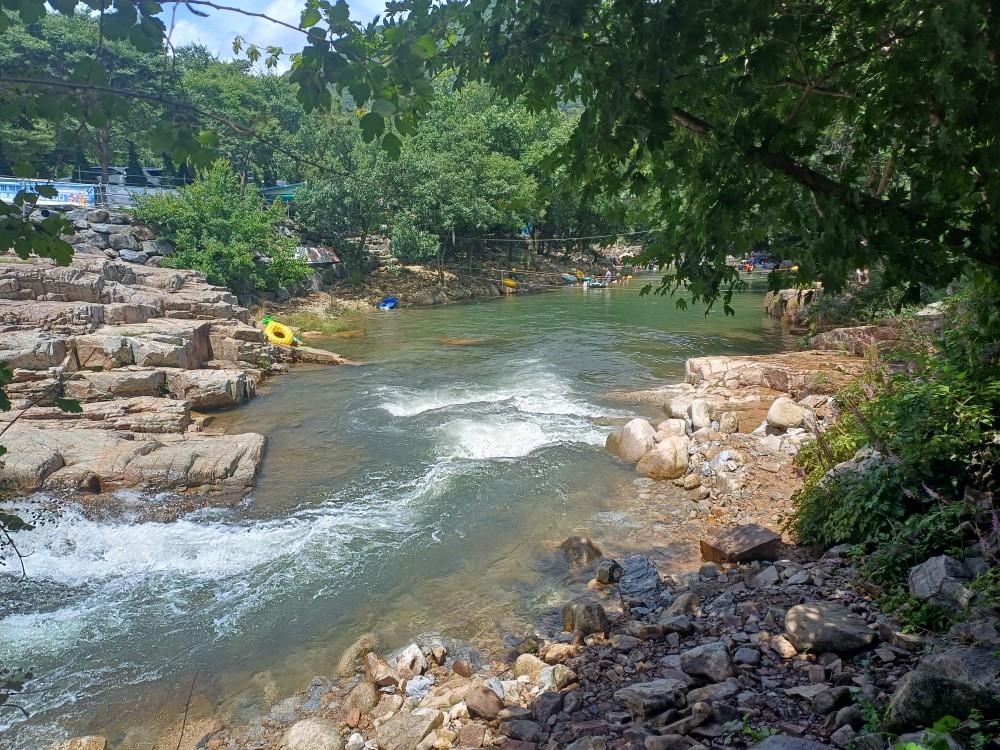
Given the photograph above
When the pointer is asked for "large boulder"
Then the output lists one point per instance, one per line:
(668, 460)
(207, 390)
(125, 383)
(632, 440)
(701, 413)
(742, 544)
(313, 734)
(785, 413)
(827, 626)
(941, 580)
(483, 703)
(953, 682)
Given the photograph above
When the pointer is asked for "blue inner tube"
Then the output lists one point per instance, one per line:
(388, 303)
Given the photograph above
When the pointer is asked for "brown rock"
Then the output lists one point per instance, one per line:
(462, 668)
(91, 742)
(472, 735)
(742, 544)
(483, 703)
(378, 671)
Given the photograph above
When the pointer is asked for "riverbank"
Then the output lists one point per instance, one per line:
(763, 644)
(115, 370)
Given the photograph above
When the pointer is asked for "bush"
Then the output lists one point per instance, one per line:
(932, 433)
(226, 232)
(409, 243)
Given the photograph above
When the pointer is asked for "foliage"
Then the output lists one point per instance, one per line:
(226, 232)
(974, 732)
(867, 303)
(410, 244)
(931, 434)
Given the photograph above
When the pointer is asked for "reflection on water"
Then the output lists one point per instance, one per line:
(422, 492)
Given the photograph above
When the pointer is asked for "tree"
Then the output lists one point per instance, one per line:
(226, 231)
(828, 122)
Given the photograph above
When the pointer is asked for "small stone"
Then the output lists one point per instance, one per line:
(830, 700)
(462, 668)
(355, 742)
(405, 731)
(747, 656)
(676, 624)
(642, 630)
(767, 577)
(686, 603)
(378, 671)
(785, 413)
(942, 580)
(558, 653)
(729, 422)
(844, 737)
(624, 643)
(546, 705)
(472, 735)
(522, 729)
(782, 647)
(808, 692)
(784, 742)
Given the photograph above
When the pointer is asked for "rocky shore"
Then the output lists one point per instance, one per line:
(145, 352)
(762, 645)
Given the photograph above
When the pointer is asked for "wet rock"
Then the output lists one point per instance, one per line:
(955, 682)
(410, 662)
(483, 703)
(645, 699)
(585, 615)
(313, 734)
(827, 626)
(742, 544)
(405, 731)
(631, 441)
(580, 550)
(785, 413)
(941, 580)
(608, 571)
(710, 662)
(640, 581)
(668, 460)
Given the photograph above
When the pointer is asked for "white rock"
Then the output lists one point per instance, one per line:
(631, 441)
(355, 742)
(701, 414)
(785, 413)
(668, 460)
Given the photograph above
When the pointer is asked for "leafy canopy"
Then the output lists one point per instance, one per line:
(226, 232)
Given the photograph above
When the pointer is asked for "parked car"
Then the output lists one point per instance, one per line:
(154, 176)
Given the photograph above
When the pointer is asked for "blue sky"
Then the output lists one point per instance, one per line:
(218, 30)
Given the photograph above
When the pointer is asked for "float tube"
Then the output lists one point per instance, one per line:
(568, 278)
(277, 333)
(509, 283)
(388, 303)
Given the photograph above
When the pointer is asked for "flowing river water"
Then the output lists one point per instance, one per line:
(423, 492)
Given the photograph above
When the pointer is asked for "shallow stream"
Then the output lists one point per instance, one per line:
(423, 492)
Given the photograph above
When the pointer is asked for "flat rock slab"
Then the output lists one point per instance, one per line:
(827, 626)
(405, 731)
(742, 544)
(311, 355)
(645, 699)
(640, 580)
(784, 742)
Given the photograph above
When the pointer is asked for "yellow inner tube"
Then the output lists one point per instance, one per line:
(279, 334)
(510, 283)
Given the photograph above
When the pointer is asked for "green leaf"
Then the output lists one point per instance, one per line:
(424, 47)
(14, 523)
(25, 169)
(372, 126)
(392, 145)
(384, 107)
(70, 405)
(339, 13)
(47, 191)
(310, 17)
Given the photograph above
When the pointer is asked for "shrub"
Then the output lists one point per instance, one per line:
(409, 243)
(226, 232)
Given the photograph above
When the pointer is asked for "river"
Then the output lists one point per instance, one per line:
(421, 493)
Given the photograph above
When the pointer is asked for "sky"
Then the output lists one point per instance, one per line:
(220, 28)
